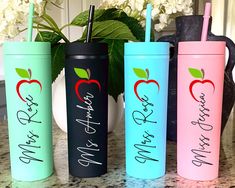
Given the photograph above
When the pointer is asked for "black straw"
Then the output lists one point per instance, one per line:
(90, 23)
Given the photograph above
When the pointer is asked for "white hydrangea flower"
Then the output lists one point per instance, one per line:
(163, 18)
(120, 2)
(139, 5)
(164, 11)
(155, 12)
(159, 26)
(14, 13)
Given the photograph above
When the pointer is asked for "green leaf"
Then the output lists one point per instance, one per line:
(50, 21)
(196, 73)
(99, 15)
(81, 19)
(23, 73)
(46, 36)
(81, 73)
(140, 73)
(111, 29)
(58, 58)
(116, 67)
(112, 14)
(135, 27)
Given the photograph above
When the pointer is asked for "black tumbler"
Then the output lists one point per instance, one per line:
(86, 73)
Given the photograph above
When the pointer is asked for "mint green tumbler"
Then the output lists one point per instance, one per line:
(28, 92)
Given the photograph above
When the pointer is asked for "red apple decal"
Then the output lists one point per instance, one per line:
(25, 74)
(143, 74)
(84, 76)
(199, 74)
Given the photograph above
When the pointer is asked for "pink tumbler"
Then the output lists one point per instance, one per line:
(200, 91)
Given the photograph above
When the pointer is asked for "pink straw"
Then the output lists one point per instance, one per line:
(207, 15)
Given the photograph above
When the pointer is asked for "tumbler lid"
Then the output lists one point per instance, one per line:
(147, 48)
(76, 48)
(27, 48)
(202, 47)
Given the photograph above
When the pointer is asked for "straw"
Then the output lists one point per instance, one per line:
(30, 22)
(148, 23)
(206, 17)
(90, 23)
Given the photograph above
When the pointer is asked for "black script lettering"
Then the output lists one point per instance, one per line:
(140, 118)
(200, 154)
(25, 118)
(203, 126)
(143, 116)
(31, 137)
(204, 142)
(28, 150)
(144, 149)
(202, 115)
(147, 138)
(30, 103)
(202, 108)
(145, 103)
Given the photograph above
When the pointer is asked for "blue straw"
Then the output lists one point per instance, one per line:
(148, 23)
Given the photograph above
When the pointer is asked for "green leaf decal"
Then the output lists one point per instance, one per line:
(81, 73)
(196, 73)
(141, 73)
(23, 73)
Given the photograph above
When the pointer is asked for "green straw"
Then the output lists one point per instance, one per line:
(30, 22)
(148, 23)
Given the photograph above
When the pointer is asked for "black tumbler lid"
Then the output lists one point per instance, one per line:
(76, 48)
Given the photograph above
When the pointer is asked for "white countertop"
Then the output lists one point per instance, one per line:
(116, 176)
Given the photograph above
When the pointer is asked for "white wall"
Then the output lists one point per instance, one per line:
(230, 28)
(73, 8)
(223, 13)
(1, 64)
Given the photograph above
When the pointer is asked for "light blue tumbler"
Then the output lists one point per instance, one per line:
(146, 86)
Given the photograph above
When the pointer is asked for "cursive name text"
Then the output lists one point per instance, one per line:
(145, 148)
